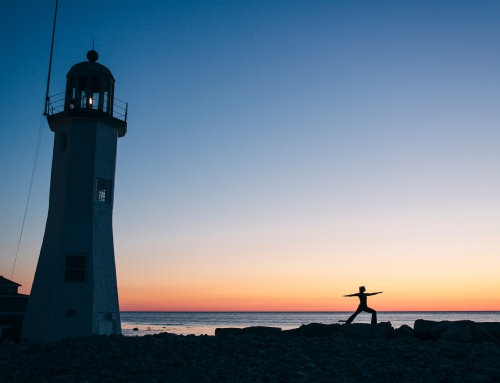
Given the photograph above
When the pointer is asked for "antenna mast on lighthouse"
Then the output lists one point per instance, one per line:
(46, 108)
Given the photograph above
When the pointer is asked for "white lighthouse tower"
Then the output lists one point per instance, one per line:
(74, 292)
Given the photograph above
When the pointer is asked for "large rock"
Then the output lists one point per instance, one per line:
(403, 332)
(259, 331)
(423, 327)
(439, 329)
(318, 329)
(383, 330)
(254, 330)
(453, 331)
(492, 327)
(360, 331)
(225, 332)
(294, 332)
(481, 336)
(458, 332)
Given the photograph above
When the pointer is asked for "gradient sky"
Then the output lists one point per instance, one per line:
(279, 154)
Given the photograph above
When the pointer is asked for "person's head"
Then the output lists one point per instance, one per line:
(362, 289)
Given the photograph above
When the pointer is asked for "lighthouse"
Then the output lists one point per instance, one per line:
(74, 291)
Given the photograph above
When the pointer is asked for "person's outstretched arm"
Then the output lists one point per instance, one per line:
(351, 295)
(378, 292)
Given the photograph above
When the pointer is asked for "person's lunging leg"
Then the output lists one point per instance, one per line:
(351, 318)
(373, 312)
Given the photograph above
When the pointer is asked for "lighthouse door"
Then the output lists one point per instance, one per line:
(107, 323)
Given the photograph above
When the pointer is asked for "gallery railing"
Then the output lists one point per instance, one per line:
(57, 101)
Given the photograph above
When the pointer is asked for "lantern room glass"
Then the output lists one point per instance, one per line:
(89, 92)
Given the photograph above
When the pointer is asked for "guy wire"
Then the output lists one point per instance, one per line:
(40, 133)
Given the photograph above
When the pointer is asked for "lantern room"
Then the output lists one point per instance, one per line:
(90, 86)
(89, 93)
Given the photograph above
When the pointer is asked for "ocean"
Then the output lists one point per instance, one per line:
(197, 323)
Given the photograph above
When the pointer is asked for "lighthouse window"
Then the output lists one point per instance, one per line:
(71, 313)
(82, 90)
(105, 96)
(72, 93)
(75, 268)
(72, 87)
(63, 142)
(103, 190)
(95, 88)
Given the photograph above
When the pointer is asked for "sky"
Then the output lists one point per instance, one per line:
(279, 154)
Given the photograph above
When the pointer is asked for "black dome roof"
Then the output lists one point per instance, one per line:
(91, 68)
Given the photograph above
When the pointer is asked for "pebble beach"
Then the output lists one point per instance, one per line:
(261, 358)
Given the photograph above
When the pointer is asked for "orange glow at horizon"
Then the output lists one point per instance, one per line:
(292, 270)
(320, 294)
(209, 302)
(432, 266)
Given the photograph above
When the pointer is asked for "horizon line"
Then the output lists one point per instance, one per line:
(379, 311)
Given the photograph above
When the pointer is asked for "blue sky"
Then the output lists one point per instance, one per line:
(272, 136)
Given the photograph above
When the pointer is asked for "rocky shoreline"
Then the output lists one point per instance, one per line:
(448, 352)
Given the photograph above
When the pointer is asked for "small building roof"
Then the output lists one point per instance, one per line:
(7, 282)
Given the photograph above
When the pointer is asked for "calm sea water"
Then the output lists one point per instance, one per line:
(206, 322)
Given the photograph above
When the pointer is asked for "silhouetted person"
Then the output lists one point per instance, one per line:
(362, 305)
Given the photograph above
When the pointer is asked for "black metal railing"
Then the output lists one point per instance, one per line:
(120, 109)
(57, 101)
